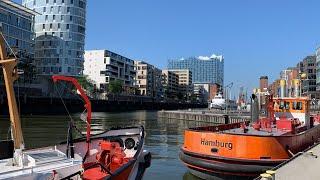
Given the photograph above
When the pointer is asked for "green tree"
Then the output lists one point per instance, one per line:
(115, 86)
(86, 83)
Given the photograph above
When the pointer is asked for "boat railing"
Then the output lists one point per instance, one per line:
(218, 128)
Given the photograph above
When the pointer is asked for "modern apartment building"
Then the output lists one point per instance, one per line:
(148, 79)
(274, 88)
(308, 66)
(318, 68)
(185, 82)
(170, 83)
(204, 69)
(60, 35)
(289, 74)
(16, 24)
(205, 92)
(103, 66)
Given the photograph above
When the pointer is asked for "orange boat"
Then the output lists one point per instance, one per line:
(247, 149)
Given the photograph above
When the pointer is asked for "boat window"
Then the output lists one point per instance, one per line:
(287, 105)
(284, 105)
(281, 106)
(297, 105)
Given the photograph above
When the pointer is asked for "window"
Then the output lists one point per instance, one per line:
(61, 34)
(47, 1)
(43, 26)
(54, 17)
(59, 25)
(51, 9)
(62, 17)
(46, 17)
(71, 1)
(59, 9)
(284, 105)
(62, 1)
(297, 105)
(81, 4)
(70, 18)
(68, 9)
(44, 9)
(54, 1)
(68, 26)
(50, 26)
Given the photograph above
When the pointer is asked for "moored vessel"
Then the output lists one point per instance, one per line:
(116, 153)
(218, 102)
(247, 149)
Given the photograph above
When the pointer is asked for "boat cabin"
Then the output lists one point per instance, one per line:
(295, 108)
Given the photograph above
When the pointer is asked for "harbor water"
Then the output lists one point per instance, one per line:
(163, 136)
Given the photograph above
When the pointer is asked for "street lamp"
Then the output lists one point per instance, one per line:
(302, 76)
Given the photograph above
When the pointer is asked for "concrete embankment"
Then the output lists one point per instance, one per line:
(48, 106)
(303, 165)
(205, 116)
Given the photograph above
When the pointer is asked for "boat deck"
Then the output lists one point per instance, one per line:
(39, 163)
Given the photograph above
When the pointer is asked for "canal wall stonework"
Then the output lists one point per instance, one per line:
(204, 116)
(53, 106)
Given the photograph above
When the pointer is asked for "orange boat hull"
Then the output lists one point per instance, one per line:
(245, 154)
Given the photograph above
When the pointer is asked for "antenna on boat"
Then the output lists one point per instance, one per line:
(10, 75)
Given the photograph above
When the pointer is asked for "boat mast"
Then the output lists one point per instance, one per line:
(10, 75)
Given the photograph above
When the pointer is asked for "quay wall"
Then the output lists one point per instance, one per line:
(203, 116)
(54, 106)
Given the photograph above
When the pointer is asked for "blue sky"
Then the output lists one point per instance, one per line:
(256, 37)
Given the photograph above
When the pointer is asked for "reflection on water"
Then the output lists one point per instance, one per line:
(164, 137)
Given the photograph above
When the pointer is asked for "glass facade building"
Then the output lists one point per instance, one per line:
(16, 24)
(204, 69)
(60, 35)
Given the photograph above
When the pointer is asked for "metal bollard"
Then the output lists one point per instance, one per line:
(265, 176)
(272, 173)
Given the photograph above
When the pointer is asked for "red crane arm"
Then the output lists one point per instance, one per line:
(85, 98)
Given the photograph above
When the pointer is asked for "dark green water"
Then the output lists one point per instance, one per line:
(163, 140)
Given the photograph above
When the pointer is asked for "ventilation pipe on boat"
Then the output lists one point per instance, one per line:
(254, 108)
(296, 85)
(282, 88)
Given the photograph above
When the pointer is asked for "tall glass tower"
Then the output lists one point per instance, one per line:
(59, 36)
(204, 69)
(16, 24)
